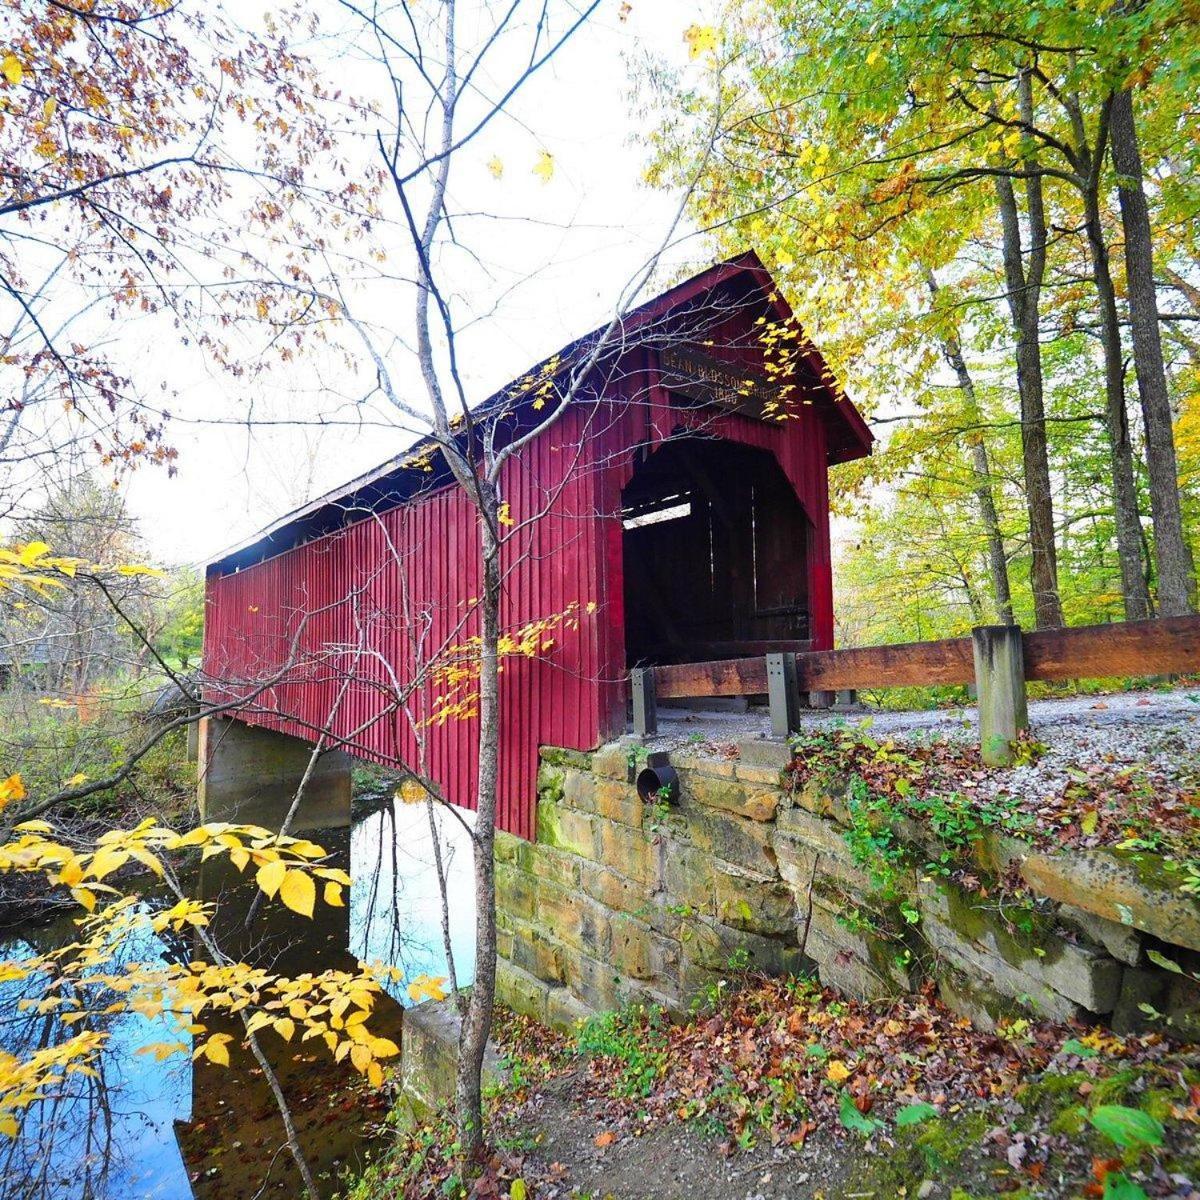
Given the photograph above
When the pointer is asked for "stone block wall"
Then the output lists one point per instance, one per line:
(618, 902)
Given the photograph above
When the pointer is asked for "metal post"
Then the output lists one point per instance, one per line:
(782, 694)
(1000, 678)
(645, 707)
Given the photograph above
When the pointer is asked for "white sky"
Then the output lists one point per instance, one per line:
(596, 225)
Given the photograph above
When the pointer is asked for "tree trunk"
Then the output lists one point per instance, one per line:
(1125, 507)
(985, 500)
(477, 1022)
(1023, 303)
(1175, 582)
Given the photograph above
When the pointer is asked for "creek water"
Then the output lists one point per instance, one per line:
(174, 1129)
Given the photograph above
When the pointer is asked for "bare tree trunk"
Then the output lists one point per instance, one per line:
(477, 1021)
(985, 499)
(1023, 303)
(1125, 506)
(1175, 581)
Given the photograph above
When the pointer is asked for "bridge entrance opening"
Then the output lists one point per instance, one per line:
(716, 549)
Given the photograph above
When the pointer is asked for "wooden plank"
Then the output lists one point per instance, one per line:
(1169, 645)
(911, 664)
(725, 677)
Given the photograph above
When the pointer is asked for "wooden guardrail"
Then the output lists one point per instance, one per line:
(998, 659)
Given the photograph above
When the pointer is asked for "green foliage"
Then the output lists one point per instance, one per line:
(634, 1041)
(52, 744)
(914, 1114)
(854, 1120)
(180, 620)
(1129, 1128)
(1118, 1186)
(858, 149)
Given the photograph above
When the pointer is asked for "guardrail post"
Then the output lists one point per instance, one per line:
(782, 694)
(645, 706)
(1000, 680)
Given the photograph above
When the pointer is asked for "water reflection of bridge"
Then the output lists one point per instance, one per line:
(144, 1129)
(234, 1143)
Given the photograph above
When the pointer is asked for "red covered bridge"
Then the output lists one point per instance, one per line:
(678, 512)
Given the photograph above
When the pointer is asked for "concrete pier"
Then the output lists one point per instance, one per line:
(250, 775)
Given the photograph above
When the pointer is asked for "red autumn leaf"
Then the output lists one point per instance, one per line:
(605, 1139)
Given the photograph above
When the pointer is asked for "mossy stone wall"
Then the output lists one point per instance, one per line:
(617, 902)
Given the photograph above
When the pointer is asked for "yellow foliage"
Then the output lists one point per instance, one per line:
(700, 39)
(11, 789)
(298, 892)
(837, 1071)
(425, 987)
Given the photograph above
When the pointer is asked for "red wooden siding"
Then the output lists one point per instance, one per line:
(410, 573)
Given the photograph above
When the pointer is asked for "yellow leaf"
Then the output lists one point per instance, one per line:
(374, 1074)
(700, 39)
(270, 875)
(285, 1027)
(425, 987)
(141, 569)
(496, 167)
(12, 69)
(161, 1050)
(76, 780)
(544, 167)
(333, 895)
(360, 1056)
(411, 790)
(106, 861)
(1089, 821)
(71, 873)
(837, 1071)
(216, 1051)
(11, 789)
(260, 1020)
(517, 1190)
(504, 515)
(298, 892)
(49, 107)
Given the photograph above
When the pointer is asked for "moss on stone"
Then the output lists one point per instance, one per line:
(561, 757)
(1038, 945)
(551, 782)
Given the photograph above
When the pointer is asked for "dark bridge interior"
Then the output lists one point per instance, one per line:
(716, 555)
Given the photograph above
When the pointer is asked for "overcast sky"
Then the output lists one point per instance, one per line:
(589, 229)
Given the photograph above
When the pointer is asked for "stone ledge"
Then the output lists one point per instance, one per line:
(997, 975)
(754, 803)
(429, 1057)
(1079, 973)
(1127, 889)
(765, 752)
